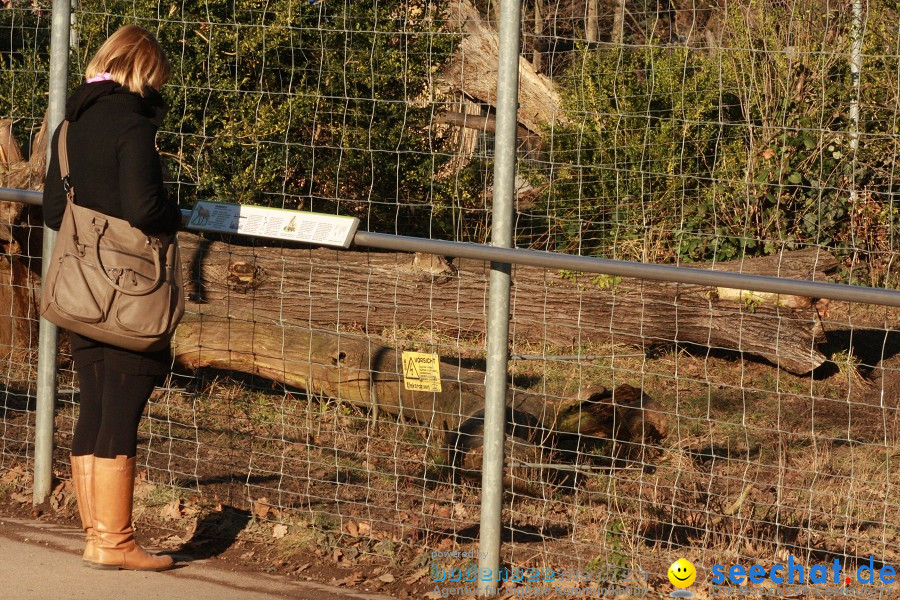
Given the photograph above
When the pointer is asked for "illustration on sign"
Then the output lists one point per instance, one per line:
(421, 372)
(261, 221)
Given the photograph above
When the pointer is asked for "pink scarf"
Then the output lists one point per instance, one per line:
(100, 77)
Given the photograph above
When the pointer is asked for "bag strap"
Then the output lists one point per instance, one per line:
(99, 225)
(63, 153)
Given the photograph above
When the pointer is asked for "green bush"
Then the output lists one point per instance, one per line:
(24, 64)
(637, 153)
(682, 153)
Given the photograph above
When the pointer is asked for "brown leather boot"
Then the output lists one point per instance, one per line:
(83, 478)
(113, 501)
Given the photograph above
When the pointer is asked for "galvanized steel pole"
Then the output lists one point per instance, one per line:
(49, 334)
(498, 307)
(856, 37)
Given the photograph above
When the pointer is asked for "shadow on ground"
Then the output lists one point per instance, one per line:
(215, 533)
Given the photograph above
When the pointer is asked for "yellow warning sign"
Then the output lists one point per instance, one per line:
(421, 372)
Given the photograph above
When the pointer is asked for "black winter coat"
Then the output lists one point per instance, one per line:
(114, 166)
(115, 169)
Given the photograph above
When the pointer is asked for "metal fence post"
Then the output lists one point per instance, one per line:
(498, 309)
(856, 36)
(49, 334)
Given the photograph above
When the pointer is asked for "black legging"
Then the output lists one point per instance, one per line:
(112, 403)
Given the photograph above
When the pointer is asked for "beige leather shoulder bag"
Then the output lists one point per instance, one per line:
(109, 281)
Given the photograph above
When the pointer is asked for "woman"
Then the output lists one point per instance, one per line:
(115, 169)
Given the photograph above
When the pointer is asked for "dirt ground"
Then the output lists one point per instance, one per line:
(759, 464)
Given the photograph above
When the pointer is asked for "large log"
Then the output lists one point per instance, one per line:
(358, 370)
(19, 314)
(20, 242)
(383, 291)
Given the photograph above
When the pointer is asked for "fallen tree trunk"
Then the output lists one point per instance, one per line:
(20, 242)
(383, 291)
(354, 369)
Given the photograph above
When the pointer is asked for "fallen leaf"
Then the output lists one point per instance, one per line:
(352, 528)
(21, 498)
(58, 497)
(279, 531)
(172, 510)
(433, 595)
(142, 489)
(303, 567)
(387, 578)
(417, 576)
(459, 511)
(13, 474)
(352, 579)
(444, 545)
(365, 528)
(261, 508)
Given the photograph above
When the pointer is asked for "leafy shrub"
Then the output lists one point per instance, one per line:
(24, 66)
(701, 153)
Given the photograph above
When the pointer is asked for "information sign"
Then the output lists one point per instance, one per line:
(276, 223)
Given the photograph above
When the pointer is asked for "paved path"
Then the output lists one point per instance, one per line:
(42, 561)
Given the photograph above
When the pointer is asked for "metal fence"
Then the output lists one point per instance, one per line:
(655, 408)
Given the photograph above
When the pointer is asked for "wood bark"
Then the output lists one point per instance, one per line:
(379, 292)
(536, 57)
(473, 70)
(9, 147)
(20, 241)
(488, 123)
(591, 23)
(618, 29)
(354, 369)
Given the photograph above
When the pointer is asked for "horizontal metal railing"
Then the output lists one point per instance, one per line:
(592, 264)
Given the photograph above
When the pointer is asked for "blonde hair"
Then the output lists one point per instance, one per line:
(133, 58)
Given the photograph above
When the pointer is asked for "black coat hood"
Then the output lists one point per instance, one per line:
(86, 95)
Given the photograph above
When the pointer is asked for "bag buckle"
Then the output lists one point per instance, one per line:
(80, 248)
(67, 185)
(99, 225)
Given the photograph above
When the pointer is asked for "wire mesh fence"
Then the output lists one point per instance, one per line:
(647, 421)
(24, 33)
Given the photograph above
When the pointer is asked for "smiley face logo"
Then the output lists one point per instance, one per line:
(682, 573)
